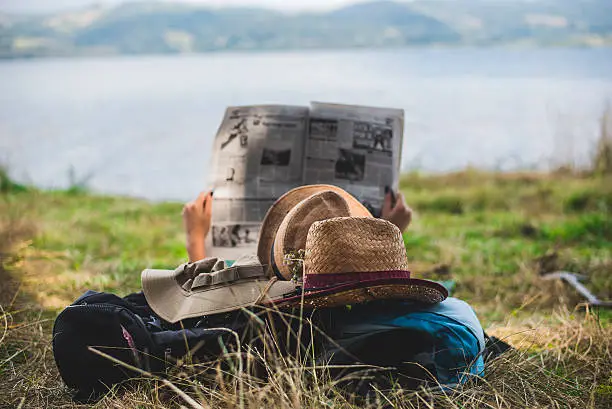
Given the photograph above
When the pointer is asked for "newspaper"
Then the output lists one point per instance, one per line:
(262, 152)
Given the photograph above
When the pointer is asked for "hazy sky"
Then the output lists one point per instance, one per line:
(54, 5)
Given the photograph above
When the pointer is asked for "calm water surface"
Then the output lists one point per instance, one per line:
(143, 126)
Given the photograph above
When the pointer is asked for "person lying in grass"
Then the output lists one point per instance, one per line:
(347, 294)
(197, 217)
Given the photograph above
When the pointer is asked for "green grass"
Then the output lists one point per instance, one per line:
(494, 234)
(491, 229)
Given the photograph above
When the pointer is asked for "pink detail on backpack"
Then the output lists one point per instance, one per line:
(128, 337)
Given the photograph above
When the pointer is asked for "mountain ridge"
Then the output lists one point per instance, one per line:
(153, 28)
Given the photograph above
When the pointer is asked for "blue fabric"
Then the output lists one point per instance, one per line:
(457, 351)
(452, 326)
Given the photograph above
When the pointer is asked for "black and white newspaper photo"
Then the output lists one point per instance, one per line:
(357, 148)
(257, 157)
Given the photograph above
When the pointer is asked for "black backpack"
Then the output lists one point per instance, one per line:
(128, 330)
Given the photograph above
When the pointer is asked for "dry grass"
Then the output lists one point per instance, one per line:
(561, 361)
(492, 234)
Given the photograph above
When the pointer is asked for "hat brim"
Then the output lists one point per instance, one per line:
(275, 215)
(172, 303)
(412, 289)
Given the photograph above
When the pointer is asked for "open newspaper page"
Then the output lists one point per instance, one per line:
(356, 148)
(257, 157)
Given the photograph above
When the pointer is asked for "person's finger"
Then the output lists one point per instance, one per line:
(387, 203)
(208, 203)
(201, 199)
(403, 208)
(400, 202)
(188, 206)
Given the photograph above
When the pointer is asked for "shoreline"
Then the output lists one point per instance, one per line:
(518, 47)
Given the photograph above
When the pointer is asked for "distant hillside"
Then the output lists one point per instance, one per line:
(145, 28)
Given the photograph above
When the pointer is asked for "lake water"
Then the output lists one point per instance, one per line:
(143, 126)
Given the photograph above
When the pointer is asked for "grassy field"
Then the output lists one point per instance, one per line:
(493, 234)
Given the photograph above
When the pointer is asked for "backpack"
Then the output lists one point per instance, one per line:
(129, 331)
(419, 345)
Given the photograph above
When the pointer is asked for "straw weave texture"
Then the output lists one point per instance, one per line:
(352, 244)
(421, 293)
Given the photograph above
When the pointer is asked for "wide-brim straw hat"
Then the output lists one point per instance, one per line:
(210, 286)
(286, 224)
(351, 260)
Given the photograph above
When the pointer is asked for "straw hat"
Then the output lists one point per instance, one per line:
(286, 224)
(350, 260)
(210, 286)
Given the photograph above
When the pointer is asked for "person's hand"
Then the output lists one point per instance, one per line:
(197, 216)
(397, 213)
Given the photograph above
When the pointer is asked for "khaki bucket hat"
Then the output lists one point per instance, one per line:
(285, 226)
(351, 260)
(210, 286)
